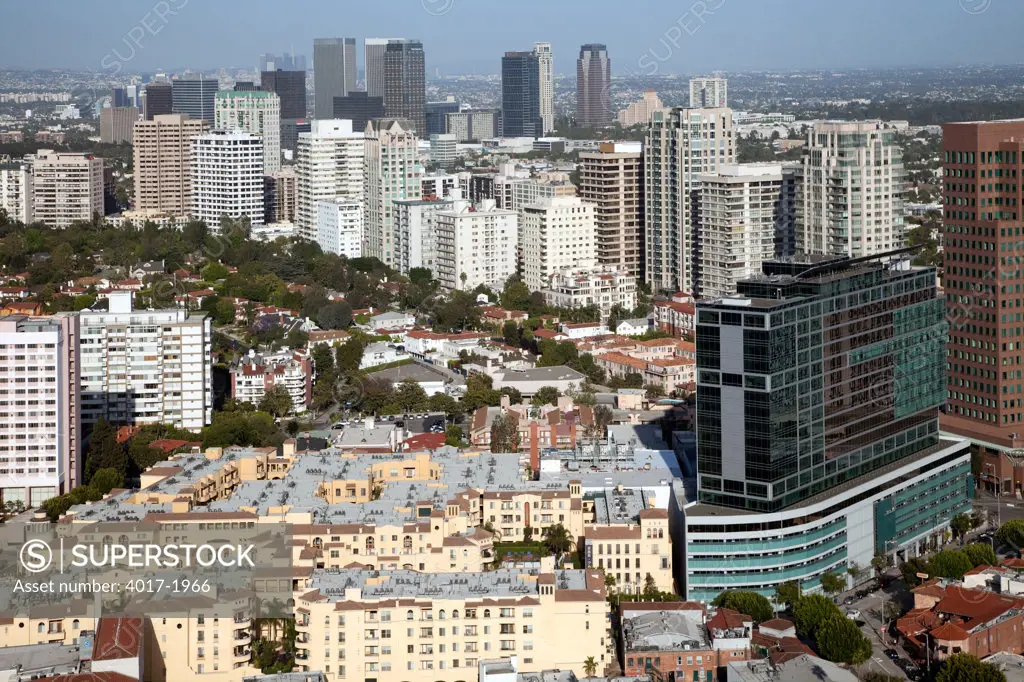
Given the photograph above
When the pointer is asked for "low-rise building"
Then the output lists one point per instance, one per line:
(381, 353)
(392, 320)
(529, 381)
(603, 287)
(676, 316)
(257, 373)
(540, 426)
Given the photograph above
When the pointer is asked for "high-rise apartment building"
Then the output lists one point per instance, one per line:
(162, 152)
(227, 177)
(983, 162)
(146, 366)
(16, 191)
(194, 96)
(556, 233)
(329, 166)
(334, 73)
(373, 63)
(280, 194)
(437, 112)
(40, 436)
(850, 190)
(66, 187)
(640, 112)
(393, 171)
(819, 387)
(416, 221)
(158, 100)
(593, 87)
(521, 95)
(116, 124)
(612, 179)
(255, 112)
(474, 125)
(290, 86)
(546, 61)
(359, 108)
(741, 211)
(339, 226)
(405, 94)
(681, 145)
(709, 93)
(475, 245)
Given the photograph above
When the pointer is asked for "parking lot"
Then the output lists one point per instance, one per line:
(414, 423)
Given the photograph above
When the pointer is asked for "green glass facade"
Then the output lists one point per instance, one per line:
(916, 509)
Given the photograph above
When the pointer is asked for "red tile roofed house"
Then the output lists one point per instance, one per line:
(669, 374)
(22, 308)
(118, 647)
(497, 315)
(169, 445)
(557, 426)
(550, 334)
(951, 619)
(193, 299)
(676, 316)
(130, 284)
(7, 293)
(423, 441)
(331, 337)
(254, 375)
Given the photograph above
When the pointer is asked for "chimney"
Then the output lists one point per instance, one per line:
(506, 402)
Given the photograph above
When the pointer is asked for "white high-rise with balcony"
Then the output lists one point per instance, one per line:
(557, 233)
(146, 366)
(39, 419)
(475, 245)
(393, 171)
(329, 167)
(227, 167)
(16, 191)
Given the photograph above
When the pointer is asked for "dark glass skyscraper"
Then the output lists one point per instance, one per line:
(437, 113)
(815, 374)
(358, 108)
(290, 86)
(593, 86)
(194, 97)
(520, 95)
(159, 99)
(405, 94)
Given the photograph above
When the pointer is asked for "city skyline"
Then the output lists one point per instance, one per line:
(730, 35)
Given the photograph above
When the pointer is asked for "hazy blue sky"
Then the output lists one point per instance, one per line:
(469, 36)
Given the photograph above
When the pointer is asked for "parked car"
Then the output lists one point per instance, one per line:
(337, 427)
(892, 654)
(853, 614)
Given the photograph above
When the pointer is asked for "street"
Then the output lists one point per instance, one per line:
(871, 609)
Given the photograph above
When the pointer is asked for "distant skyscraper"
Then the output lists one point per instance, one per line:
(358, 108)
(374, 65)
(709, 92)
(437, 124)
(246, 86)
(405, 94)
(520, 95)
(116, 124)
(290, 86)
(593, 86)
(119, 97)
(194, 97)
(334, 73)
(680, 143)
(547, 84)
(255, 112)
(285, 62)
(159, 99)
(850, 190)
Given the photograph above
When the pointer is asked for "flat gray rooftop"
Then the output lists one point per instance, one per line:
(34, 659)
(332, 583)
(673, 630)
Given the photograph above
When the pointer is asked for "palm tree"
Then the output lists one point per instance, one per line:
(558, 540)
(590, 667)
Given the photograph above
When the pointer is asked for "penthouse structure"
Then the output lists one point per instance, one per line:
(40, 432)
(848, 354)
(146, 366)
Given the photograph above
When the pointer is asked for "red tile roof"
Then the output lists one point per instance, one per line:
(118, 638)
(950, 632)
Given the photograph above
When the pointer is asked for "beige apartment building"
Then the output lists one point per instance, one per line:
(280, 195)
(67, 187)
(403, 626)
(631, 551)
(555, 234)
(612, 179)
(163, 162)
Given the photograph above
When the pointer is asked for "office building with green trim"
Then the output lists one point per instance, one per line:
(819, 386)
